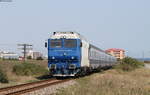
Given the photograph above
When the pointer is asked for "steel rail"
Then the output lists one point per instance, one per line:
(5, 91)
(37, 88)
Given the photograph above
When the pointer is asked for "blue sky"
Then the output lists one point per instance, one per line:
(105, 23)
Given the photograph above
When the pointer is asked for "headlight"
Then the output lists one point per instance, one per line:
(72, 57)
(53, 57)
(53, 66)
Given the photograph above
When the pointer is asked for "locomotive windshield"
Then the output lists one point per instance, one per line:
(70, 43)
(56, 43)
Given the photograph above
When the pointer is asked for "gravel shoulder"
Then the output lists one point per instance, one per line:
(147, 66)
(52, 90)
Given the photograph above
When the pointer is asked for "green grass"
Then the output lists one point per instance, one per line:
(14, 79)
(3, 76)
(29, 69)
(129, 64)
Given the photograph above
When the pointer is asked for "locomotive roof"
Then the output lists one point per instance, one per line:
(67, 35)
(97, 48)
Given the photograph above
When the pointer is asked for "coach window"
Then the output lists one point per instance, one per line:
(56, 43)
(70, 43)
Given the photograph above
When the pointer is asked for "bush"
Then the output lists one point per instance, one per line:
(29, 57)
(146, 61)
(27, 69)
(3, 76)
(39, 58)
(128, 64)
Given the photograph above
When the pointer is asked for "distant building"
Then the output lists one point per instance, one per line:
(118, 53)
(8, 55)
(34, 55)
(21, 58)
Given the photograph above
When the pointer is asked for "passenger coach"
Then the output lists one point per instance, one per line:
(70, 54)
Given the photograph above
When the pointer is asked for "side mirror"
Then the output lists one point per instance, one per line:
(46, 44)
(81, 44)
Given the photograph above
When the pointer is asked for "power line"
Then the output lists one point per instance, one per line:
(25, 48)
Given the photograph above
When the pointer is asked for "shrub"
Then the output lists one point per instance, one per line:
(146, 61)
(128, 64)
(39, 58)
(3, 76)
(27, 69)
(29, 57)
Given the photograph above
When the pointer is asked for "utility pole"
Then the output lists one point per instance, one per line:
(25, 48)
(143, 55)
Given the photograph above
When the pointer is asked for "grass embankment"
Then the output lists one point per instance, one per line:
(17, 72)
(3, 76)
(127, 78)
(29, 69)
(112, 82)
(129, 64)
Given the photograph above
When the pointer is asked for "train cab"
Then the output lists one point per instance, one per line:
(63, 55)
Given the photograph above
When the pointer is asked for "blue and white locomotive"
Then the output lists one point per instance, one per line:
(70, 54)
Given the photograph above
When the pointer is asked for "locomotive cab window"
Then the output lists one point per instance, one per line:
(70, 43)
(56, 43)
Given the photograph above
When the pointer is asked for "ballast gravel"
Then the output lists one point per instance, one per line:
(52, 89)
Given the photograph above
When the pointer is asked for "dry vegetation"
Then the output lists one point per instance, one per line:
(7, 66)
(112, 82)
(127, 78)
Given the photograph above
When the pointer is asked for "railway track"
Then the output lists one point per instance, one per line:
(29, 87)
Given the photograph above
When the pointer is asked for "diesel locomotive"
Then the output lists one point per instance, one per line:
(70, 54)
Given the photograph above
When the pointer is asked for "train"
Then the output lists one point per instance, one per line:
(70, 54)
